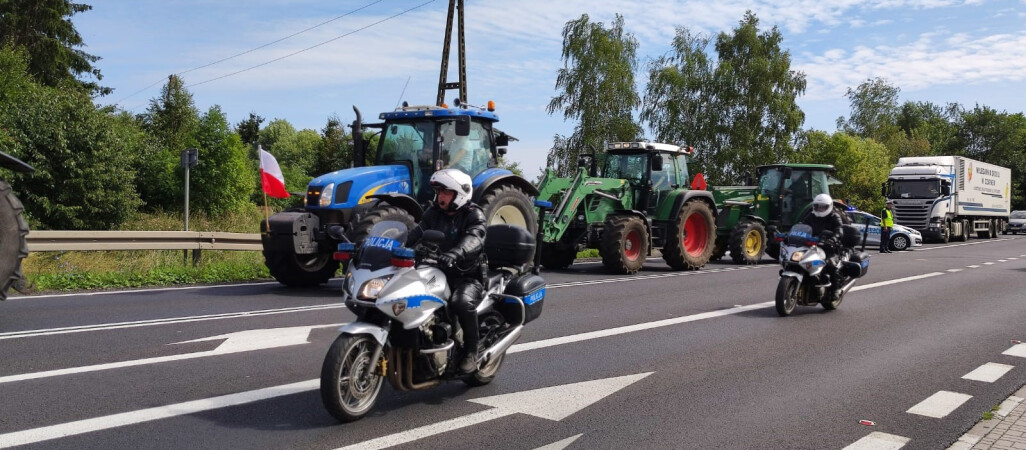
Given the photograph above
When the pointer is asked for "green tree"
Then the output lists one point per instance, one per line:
(334, 151)
(221, 181)
(171, 120)
(295, 152)
(596, 88)
(249, 130)
(84, 162)
(44, 29)
(862, 164)
(874, 110)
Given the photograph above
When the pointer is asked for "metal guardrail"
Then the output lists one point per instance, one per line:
(58, 241)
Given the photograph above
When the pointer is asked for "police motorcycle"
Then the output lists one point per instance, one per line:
(804, 279)
(405, 332)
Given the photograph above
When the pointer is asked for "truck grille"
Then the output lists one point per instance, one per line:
(912, 215)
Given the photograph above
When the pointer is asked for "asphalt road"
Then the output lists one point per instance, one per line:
(660, 359)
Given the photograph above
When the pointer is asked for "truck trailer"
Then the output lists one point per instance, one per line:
(949, 197)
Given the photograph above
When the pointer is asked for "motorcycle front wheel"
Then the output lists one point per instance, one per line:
(787, 296)
(345, 390)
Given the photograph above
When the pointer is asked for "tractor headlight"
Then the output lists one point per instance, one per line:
(371, 289)
(797, 256)
(326, 195)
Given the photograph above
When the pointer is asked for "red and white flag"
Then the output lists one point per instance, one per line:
(270, 176)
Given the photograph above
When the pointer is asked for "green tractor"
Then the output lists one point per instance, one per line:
(640, 203)
(749, 216)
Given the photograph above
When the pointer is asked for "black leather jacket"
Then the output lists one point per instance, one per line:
(831, 222)
(464, 234)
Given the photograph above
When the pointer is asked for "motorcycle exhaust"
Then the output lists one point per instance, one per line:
(499, 347)
(847, 286)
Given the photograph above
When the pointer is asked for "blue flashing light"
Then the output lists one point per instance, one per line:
(543, 204)
(403, 252)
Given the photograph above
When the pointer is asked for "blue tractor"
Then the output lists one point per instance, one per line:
(413, 143)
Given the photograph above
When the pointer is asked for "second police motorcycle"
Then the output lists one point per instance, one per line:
(804, 278)
(405, 332)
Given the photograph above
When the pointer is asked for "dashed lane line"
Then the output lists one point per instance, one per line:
(988, 373)
(939, 405)
(879, 441)
(1016, 350)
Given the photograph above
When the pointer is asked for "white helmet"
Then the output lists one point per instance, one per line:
(822, 205)
(456, 181)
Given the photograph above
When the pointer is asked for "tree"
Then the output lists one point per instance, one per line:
(874, 110)
(862, 165)
(334, 151)
(295, 152)
(740, 113)
(596, 88)
(84, 162)
(171, 120)
(220, 182)
(44, 29)
(249, 130)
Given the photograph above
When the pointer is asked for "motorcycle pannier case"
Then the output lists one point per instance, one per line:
(857, 266)
(530, 288)
(508, 246)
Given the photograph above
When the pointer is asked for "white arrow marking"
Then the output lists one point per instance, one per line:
(560, 445)
(242, 341)
(553, 403)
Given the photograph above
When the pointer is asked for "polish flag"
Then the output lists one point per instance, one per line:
(270, 176)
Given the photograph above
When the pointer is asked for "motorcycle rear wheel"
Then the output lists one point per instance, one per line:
(832, 305)
(345, 393)
(787, 296)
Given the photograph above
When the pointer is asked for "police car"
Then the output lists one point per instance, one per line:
(902, 238)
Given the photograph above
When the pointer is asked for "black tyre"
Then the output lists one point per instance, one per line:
(362, 224)
(295, 270)
(946, 234)
(345, 390)
(13, 247)
(509, 205)
(691, 238)
(490, 326)
(554, 257)
(900, 242)
(624, 244)
(831, 305)
(748, 243)
(964, 235)
(787, 296)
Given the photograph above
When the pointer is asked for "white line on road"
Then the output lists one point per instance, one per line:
(1013, 258)
(988, 263)
(1016, 350)
(955, 270)
(895, 281)
(974, 266)
(1002, 260)
(939, 405)
(879, 441)
(989, 372)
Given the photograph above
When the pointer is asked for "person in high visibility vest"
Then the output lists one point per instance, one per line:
(887, 222)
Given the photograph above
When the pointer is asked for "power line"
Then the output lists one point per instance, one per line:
(312, 46)
(255, 48)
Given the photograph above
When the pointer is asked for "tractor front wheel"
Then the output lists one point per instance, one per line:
(748, 243)
(691, 239)
(624, 244)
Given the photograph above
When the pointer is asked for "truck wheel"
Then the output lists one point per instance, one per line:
(507, 204)
(748, 243)
(13, 247)
(946, 233)
(624, 244)
(364, 223)
(691, 238)
(295, 270)
(964, 235)
(556, 258)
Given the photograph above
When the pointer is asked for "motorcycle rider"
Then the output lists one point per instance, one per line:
(827, 225)
(464, 226)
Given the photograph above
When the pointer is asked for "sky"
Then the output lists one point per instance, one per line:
(305, 60)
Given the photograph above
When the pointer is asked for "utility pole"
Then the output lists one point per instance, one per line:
(190, 157)
(455, 6)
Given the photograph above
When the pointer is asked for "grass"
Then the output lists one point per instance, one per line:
(990, 414)
(65, 271)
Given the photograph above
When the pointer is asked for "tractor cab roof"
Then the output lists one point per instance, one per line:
(427, 111)
(621, 147)
(824, 167)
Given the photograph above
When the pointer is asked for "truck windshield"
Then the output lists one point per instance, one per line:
(1018, 215)
(626, 166)
(914, 189)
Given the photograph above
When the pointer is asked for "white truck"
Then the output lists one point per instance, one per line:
(949, 197)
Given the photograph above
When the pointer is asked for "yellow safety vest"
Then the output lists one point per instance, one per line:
(888, 218)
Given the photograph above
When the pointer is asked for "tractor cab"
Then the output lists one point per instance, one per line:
(790, 189)
(653, 170)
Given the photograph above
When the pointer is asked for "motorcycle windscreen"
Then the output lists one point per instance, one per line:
(799, 235)
(376, 250)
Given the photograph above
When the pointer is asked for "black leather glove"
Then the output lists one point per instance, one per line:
(447, 259)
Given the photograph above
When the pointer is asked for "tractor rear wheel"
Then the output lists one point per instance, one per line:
(691, 238)
(748, 243)
(13, 247)
(624, 244)
(363, 224)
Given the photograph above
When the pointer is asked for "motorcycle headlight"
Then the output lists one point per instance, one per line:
(371, 288)
(326, 195)
(797, 256)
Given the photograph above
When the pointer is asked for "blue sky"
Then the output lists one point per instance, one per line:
(965, 51)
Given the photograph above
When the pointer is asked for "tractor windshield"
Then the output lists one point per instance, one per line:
(630, 166)
(471, 154)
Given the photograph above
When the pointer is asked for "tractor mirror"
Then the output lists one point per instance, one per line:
(502, 140)
(657, 163)
(462, 125)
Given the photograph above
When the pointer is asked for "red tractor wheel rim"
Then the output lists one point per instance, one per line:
(632, 245)
(697, 234)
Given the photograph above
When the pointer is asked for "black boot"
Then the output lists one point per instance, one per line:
(468, 364)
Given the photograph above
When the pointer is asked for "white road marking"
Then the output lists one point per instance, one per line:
(895, 281)
(940, 404)
(649, 277)
(955, 270)
(1016, 350)
(560, 445)
(242, 341)
(974, 266)
(989, 372)
(1008, 405)
(988, 263)
(879, 441)
(147, 415)
(174, 320)
(1013, 258)
(553, 403)
(1002, 260)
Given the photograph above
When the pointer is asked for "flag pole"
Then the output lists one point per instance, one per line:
(267, 215)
